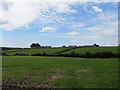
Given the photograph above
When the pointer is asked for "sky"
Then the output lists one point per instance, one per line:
(58, 23)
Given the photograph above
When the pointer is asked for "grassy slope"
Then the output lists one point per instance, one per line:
(94, 49)
(33, 51)
(62, 72)
(54, 50)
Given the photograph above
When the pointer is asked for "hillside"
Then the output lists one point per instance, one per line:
(93, 50)
(30, 51)
(58, 51)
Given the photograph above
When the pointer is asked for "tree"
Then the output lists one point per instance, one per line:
(64, 46)
(35, 45)
(95, 45)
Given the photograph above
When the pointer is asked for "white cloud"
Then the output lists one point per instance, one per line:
(15, 14)
(19, 13)
(48, 29)
(97, 9)
(61, 7)
(106, 34)
(73, 33)
(93, 28)
(76, 41)
(104, 28)
(76, 26)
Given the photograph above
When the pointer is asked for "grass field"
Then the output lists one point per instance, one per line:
(30, 51)
(53, 51)
(93, 50)
(59, 72)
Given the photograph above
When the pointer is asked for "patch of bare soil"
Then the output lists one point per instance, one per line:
(82, 73)
(25, 84)
(51, 76)
(12, 83)
(82, 70)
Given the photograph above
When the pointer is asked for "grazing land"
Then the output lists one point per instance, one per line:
(30, 51)
(59, 72)
(62, 44)
(94, 50)
(68, 50)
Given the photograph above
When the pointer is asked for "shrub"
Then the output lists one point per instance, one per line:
(88, 55)
(44, 53)
(73, 54)
(100, 55)
(4, 54)
(60, 54)
(37, 54)
(17, 54)
(104, 55)
(117, 55)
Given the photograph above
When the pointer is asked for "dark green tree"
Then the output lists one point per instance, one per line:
(35, 45)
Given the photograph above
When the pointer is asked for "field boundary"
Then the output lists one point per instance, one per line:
(65, 50)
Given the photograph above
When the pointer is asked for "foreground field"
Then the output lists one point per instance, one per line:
(59, 72)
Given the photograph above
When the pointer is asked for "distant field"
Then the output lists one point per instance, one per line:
(52, 51)
(93, 50)
(59, 72)
(34, 51)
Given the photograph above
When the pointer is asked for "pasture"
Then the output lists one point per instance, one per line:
(30, 51)
(54, 51)
(59, 72)
(94, 50)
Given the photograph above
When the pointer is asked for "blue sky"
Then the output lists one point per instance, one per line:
(58, 23)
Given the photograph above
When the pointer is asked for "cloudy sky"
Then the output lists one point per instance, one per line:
(58, 23)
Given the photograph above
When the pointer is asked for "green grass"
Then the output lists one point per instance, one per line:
(60, 72)
(52, 51)
(30, 51)
(93, 50)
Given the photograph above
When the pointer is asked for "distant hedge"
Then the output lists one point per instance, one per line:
(74, 54)
(96, 55)
(18, 54)
(4, 54)
(7, 48)
(39, 54)
(86, 55)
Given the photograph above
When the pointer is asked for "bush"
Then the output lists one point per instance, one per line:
(17, 54)
(95, 55)
(100, 55)
(104, 55)
(73, 54)
(60, 54)
(88, 55)
(117, 55)
(4, 54)
(92, 55)
(44, 53)
(37, 54)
